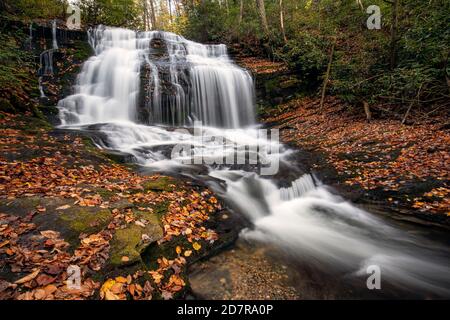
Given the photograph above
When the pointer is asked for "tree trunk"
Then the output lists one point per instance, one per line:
(367, 111)
(262, 14)
(170, 10)
(152, 14)
(283, 31)
(327, 75)
(145, 18)
(394, 28)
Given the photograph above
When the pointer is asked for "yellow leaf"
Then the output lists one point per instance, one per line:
(187, 253)
(196, 246)
(121, 280)
(106, 287)
(178, 249)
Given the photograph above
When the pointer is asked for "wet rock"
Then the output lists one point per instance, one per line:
(131, 241)
(246, 272)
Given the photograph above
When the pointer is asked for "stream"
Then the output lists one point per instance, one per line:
(180, 107)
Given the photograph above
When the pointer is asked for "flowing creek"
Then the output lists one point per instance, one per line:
(144, 93)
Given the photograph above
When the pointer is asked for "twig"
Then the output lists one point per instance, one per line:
(327, 76)
(411, 104)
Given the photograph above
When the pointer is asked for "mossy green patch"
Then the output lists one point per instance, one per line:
(134, 239)
(105, 193)
(124, 244)
(86, 220)
(160, 184)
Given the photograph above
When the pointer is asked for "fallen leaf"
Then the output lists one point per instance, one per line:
(40, 294)
(64, 207)
(166, 295)
(50, 234)
(29, 277)
(187, 253)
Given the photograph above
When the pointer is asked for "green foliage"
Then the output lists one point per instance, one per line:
(15, 66)
(306, 55)
(361, 63)
(34, 9)
(206, 22)
(120, 13)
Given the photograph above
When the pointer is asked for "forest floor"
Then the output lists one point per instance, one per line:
(63, 202)
(394, 169)
(398, 168)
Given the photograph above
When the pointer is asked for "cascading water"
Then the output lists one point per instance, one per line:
(190, 81)
(55, 40)
(202, 83)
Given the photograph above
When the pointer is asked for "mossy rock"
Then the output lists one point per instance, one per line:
(86, 219)
(70, 223)
(104, 193)
(128, 242)
(20, 207)
(160, 184)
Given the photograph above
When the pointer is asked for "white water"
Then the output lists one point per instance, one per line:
(220, 93)
(41, 88)
(46, 63)
(55, 40)
(305, 218)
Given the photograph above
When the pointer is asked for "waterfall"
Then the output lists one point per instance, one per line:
(55, 41)
(41, 88)
(46, 63)
(298, 188)
(188, 81)
(108, 86)
(201, 83)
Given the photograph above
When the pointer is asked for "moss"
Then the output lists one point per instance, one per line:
(124, 244)
(105, 193)
(127, 242)
(167, 249)
(34, 125)
(82, 50)
(84, 220)
(160, 184)
(161, 208)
